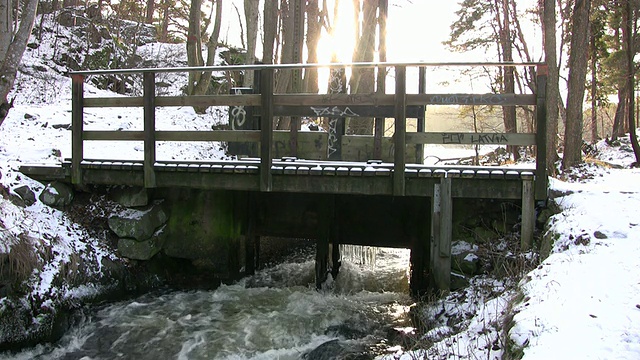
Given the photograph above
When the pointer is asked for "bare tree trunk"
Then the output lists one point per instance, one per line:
(270, 30)
(194, 44)
(576, 85)
(594, 88)
(628, 35)
(251, 13)
(553, 80)
(164, 26)
(314, 27)
(6, 26)
(199, 80)
(212, 45)
(284, 77)
(508, 112)
(619, 117)
(13, 56)
(149, 11)
(363, 80)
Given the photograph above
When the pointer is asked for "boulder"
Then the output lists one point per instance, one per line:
(23, 196)
(138, 224)
(458, 281)
(336, 349)
(141, 250)
(130, 196)
(57, 194)
(465, 263)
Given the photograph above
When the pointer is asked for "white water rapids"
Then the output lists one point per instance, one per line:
(275, 314)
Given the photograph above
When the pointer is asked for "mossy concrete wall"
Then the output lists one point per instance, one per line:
(208, 228)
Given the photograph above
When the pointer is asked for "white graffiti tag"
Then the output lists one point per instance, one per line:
(333, 111)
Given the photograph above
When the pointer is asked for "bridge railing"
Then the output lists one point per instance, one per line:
(400, 105)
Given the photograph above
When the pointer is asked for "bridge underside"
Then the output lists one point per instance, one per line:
(333, 203)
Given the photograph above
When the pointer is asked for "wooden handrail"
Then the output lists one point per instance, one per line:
(399, 105)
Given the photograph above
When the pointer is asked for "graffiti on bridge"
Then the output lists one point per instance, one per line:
(470, 138)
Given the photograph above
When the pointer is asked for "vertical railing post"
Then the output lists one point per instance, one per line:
(528, 212)
(441, 230)
(149, 104)
(541, 132)
(266, 128)
(421, 126)
(337, 85)
(77, 127)
(399, 135)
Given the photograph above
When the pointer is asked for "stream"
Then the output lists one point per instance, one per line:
(275, 314)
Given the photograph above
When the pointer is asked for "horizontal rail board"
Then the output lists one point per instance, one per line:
(318, 100)
(209, 100)
(113, 135)
(371, 99)
(471, 99)
(196, 100)
(451, 138)
(213, 135)
(225, 68)
(336, 111)
(121, 101)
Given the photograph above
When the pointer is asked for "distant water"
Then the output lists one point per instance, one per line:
(275, 314)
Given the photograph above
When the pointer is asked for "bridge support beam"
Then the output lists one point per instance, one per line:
(326, 231)
(441, 230)
(528, 213)
(322, 259)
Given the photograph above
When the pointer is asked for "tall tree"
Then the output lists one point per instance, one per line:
(628, 36)
(199, 80)
(314, 30)
(270, 24)
(553, 79)
(284, 77)
(503, 19)
(576, 85)
(251, 14)
(363, 79)
(12, 55)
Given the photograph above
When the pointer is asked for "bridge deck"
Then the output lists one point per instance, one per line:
(297, 175)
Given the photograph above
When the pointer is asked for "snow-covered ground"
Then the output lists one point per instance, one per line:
(582, 302)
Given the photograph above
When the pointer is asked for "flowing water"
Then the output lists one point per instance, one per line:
(275, 314)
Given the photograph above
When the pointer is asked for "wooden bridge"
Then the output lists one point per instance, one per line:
(329, 163)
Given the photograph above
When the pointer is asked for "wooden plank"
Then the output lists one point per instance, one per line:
(541, 133)
(471, 99)
(334, 99)
(212, 135)
(266, 128)
(466, 138)
(340, 111)
(77, 124)
(121, 101)
(528, 215)
(108, 135)
(195, 100)
(210, 100)
(149, 85)
(399, 135)
(361, 148)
